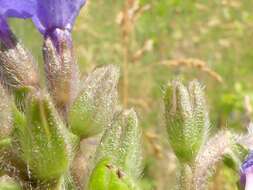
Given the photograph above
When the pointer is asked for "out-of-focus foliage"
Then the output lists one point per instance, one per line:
(217, 32)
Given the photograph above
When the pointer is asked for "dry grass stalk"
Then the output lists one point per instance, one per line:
(140, 103)
(248, 109)
(148, 46)
(126, 19)
(194, 63)
(152, 139)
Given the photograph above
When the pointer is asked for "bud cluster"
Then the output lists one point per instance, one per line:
(43, 127)
(188, 124)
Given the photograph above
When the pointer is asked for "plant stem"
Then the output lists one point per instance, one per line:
(185, 181)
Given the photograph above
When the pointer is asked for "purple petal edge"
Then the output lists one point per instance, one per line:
(61, 14)
(246, 168)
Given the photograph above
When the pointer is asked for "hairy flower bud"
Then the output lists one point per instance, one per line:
(210, 154)
(186, 119)
(130, 157)
(43, 139)
(96, 103)
(121, 143)
(17, 68)
(107, 176)
(61, 69)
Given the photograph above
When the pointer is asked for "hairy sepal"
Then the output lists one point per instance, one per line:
(96, 103)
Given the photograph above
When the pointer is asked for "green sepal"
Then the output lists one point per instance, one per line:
(130, 150)
(234, 159)
(95, 105)
(187, 119)
(106, 176)
(43, 139)
(122, 143)
(20, 96)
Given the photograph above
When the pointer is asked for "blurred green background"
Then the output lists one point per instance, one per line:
(218, 32)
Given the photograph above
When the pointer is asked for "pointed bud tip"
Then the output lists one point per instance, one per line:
(186, 118)
(97, 101)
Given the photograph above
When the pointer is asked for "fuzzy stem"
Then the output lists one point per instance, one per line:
(185, 181)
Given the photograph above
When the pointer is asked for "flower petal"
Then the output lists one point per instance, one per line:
(17, 8)
(52, 14)
(5, 32)
(246, 168)
(13, 8)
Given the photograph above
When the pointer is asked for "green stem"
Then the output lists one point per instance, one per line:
(185, 180)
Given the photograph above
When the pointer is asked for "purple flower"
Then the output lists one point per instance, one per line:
(56, 14)
(246, 172)
(55, 19)
(13, 8)
(48, 15)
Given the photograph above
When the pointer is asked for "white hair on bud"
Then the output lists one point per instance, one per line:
(210, 154)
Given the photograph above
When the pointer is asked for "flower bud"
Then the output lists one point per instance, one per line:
(43, 139)
(186, 119)
(61, 69)
(17, 68)
(130, 157)
(96, 103)
(209, 156)
(121, 143)
(107, 176)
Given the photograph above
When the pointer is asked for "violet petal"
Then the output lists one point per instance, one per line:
(52, 14)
